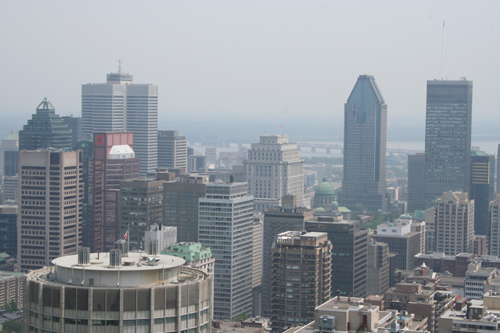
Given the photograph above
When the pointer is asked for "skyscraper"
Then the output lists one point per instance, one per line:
(50, 206)
(226, 227)
(8, 155)
(416, 167)
(494, 228)
(75, 125)
(113, 161)
(482, 189)
(121, 105)
(273, 169)
(172, 150)
(447, 138)
(301, 277)
(45, 129)
(454, 223)
(365, 127)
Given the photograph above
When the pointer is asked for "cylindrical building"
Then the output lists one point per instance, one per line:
(136, 293)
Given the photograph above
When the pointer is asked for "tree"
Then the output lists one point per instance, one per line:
(12, 326)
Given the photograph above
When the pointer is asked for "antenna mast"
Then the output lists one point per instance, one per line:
(442, 51)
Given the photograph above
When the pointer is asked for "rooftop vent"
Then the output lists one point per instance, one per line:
(115, 258)
(83, 256)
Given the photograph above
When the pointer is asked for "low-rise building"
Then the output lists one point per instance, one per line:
(195, 255)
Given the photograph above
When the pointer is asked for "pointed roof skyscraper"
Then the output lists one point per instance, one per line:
(44, 129)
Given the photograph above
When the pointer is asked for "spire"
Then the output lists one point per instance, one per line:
(45, 105)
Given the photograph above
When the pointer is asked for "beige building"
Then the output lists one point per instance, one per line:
(454, 223)
(494, 227)
(105, 292)
(11, 288)
(273, 169)
(50, 206)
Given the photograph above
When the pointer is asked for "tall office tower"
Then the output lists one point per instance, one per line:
(118, 293)
(279, 219)
(349, 253)
(10, 189)
(447, 138)
(400, 238)
(225, 226)
(416, 180)
(172, 150)
(498, 169)
(8, 155)
(50, 206)
(454, 223)
(141, 205)
(8, 227)
(482, 189)
(377, 272)
(301, 277)
(121, 105)
(211, 157)
(196, 163)
(45, 129)
(180, 204)
(494, 228)
(273, 169)
(365, 128)
(258, 228)
(75, 125)
(113, 161)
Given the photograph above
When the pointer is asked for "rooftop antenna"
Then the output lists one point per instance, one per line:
(120, 67)
(442, 50)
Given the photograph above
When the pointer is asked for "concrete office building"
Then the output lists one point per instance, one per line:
(279, 219)
(257, 266)
(10, 190)
(349, 253)
(113, 161)
(50, 206)
(196, 256)
(482, 189)
(121, 105)
(164, 236)
(225, 225)
(180, 205)
(447, 138)
(400, 239)
(11, 288)
(416, 168)
(377, 271)
(45, 129)
(172, 150)
(365, 131)
(454, 223)
(301, 277)
(273, 169)
(141, 205)
(115, 292)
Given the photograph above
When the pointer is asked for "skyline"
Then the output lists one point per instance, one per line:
(276, 60)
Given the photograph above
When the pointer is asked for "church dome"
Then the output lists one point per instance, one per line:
(335, 205)
(325, 189)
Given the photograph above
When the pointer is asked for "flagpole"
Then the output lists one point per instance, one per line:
(128, 236)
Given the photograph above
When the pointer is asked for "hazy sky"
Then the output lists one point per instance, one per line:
(269, 59)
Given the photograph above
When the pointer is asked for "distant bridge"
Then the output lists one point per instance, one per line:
(328, 147)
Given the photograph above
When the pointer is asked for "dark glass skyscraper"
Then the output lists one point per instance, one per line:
(447, 138)
(482, 189)
(365, 128)
(45, 129)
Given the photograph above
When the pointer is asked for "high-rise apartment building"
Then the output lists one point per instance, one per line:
(226, 226)
(45, 129)
(273, 169)
(301, 277)
(454, 223)
(141, 205)
(50, 206)
(278, 219)
(349, 253)
(113, 161)
(416, 181)
(172, 150)
(447, 138)
(121, 105)
(494, 227)
(180, 204)
(482, 189)
(365, 130)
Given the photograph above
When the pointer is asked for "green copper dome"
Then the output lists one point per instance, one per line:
(325, 189)
(335, 205)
